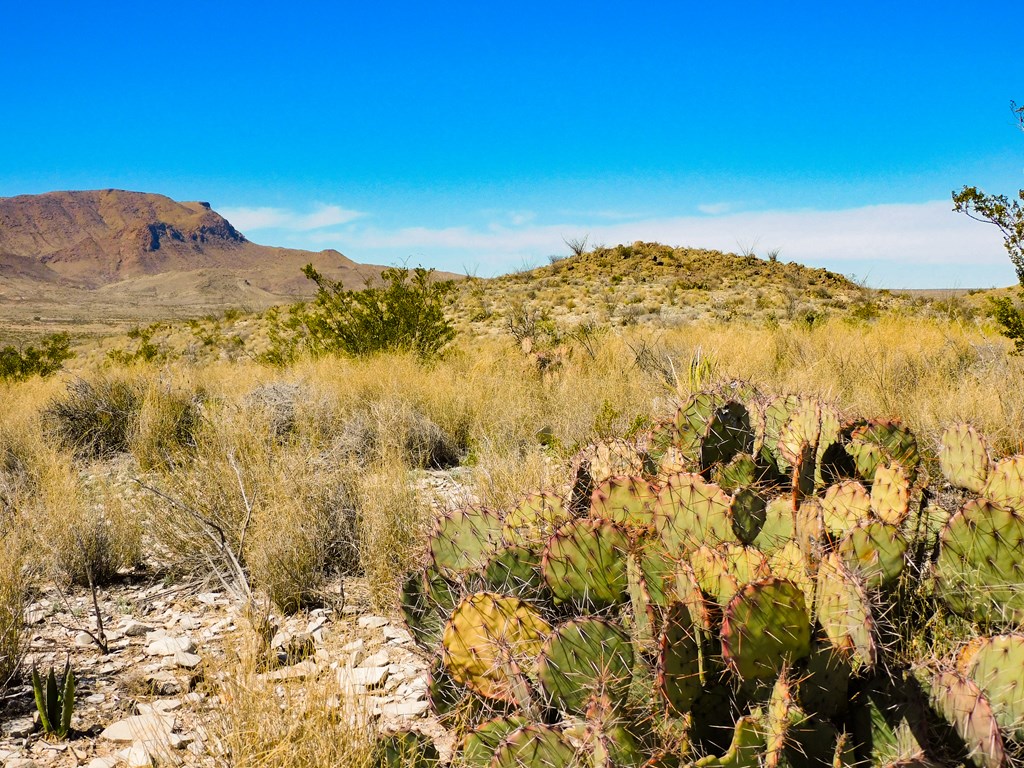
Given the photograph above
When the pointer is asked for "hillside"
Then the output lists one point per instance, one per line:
(655, 283)
(103, 258)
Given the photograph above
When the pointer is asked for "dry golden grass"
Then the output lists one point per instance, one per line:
(13, 601)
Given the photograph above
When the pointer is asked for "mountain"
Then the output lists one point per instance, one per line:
(112, 256)
(97, 238)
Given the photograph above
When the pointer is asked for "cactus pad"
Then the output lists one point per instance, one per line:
(534, 519)
(679, 661)
(534, 746)
(405, 749)
(1005, 485)
(488, 641)
(514, 571)
(778, 527)
(585, 660)
(692, 421)
(584, 564)
(741, 472)
(996, 664)
(463, 540)
(876, 552)
(627, 500)
(979, 571)
(727, 434)
(964, 459)
(749, 512)
(960, 702)
(844, 506)
(744, 751)
(890, 494)
(481, 743)
(879, 441)
(721, 570)
(764, 627)
(844, 613)
(691, 512)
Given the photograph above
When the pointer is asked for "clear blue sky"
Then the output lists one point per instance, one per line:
(477, 135)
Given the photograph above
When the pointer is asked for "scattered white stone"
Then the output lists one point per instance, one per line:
(180, 741)
(355, 645)
(20, 762)
(361, 678)
(299, 671)
(397, 635)
(404, 709)
(372, 622)
(96, 698)
(170, 705)
(187, 660)
(140, 727)
(83, 640)
(137, 755)
(103, 762)
(316, 624)
(168, 646)
(208, 598)
(379, 659)
(19, 728)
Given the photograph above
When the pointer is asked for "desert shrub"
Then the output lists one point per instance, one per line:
(168, 421)
(13, 598)
(392, 525)
(95, 419)
(19, 364)
(262, 723)
(254, 512)
(278, 402)
(393, 427)
(406, 313)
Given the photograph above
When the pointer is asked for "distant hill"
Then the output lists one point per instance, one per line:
(108, 257)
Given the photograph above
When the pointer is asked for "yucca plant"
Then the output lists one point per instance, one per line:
(56, 701)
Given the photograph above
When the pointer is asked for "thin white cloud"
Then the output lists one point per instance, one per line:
(321, 217)
(714, 209)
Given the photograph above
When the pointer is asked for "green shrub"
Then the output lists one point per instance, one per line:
(19, 364)
(405, 314)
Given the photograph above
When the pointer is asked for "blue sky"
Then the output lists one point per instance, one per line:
(476, 136)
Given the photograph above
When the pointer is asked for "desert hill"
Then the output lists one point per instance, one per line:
(102, 258)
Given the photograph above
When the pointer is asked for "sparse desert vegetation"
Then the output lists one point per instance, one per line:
(308, 485)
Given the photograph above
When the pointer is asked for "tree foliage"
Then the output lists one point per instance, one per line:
(405, 313)
(1006, 214)
(22, 363)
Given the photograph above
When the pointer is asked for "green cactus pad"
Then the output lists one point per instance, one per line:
(534, 519)
(728, 433)
(691, 512)
(584, 564)
(463, 540)
(534, 746)
(890, 494)
(824, 688)
(810, 532)
(627, 500)
(741, 472)
(611, 458)
(879, 441)
(803, 427)
(1005, 485)
(790, 563)
(959, 701)
(450, 702)
(773, 416)
(722, 570)
(964, 458)
(489, 640)
(844, 505)
(979, 571)
(692, 422)
(778, 528)
(657, 570)
(745, 750)
(996, 664)
(679, 660)
(586, 660)
(427, 599)
(481, 743)
(514, 571)
(749, 511)
(614, 745)
(764, 627)
(844, 613)
(876, 552)
(405, 749)
(779, 717)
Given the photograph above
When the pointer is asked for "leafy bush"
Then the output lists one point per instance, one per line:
(19, 364)
(96, 420)
(405, 314)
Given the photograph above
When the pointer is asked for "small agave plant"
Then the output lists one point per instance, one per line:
(55, 700)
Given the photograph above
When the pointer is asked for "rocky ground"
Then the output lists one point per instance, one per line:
(150, 699)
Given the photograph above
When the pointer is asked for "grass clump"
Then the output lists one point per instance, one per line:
(13, 601)
(95, 419)
(168, 421)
